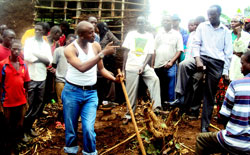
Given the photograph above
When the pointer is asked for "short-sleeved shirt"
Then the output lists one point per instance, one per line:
(236, 107)
(139, 45)
(4, 52)
(167, 44)
(62, 64)
(12, 83)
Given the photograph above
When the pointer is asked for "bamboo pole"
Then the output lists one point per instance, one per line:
(132, 3)
(52, 11)
(51, 5)
(112, 8)
(122, 24)
(78, 12)
(132, 115)
(100, 10)
(65, 10)
(87, 9)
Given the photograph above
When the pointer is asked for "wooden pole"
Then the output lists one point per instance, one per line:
(52, 5)
(122, 25)
(132, 115)
(78, 11)
(65, 10)
(52, 11)
(113, 8)
(100, 10)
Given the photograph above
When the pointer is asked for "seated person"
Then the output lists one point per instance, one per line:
(235, 138)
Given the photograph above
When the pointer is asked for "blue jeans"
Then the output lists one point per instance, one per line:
(77, 101)
(167, 82)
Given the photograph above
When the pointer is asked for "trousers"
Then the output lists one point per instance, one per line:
(167, 78)
(213, 73)
(152, 82)
(35, 99)
(14, 117)
(207, 143)
(78, 102)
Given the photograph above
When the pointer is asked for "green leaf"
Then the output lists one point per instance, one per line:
(158, 151)
(177, 146)
(151, 148)
(147, 140)
(143, 136)
(163, 125)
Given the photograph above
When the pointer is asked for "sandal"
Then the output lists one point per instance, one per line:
(59, 125)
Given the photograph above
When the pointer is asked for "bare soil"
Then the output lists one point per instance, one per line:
(109, 133)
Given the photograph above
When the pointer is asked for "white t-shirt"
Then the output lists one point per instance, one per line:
(139, 45)
(167, 44)
(37, 71)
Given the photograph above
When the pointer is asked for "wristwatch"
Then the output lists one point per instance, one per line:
(101, 55)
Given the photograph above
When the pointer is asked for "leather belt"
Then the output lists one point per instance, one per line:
(94, 87)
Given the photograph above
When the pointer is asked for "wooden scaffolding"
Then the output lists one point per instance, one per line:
(119, 14)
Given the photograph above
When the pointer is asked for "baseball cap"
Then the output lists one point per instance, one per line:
(175, 17)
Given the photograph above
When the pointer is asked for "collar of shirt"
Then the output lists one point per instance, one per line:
(221, 26)
(248, 75)
(19, 60)
(163, 31)
(21, 63)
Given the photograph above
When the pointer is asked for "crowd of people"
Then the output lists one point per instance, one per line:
(180, 69)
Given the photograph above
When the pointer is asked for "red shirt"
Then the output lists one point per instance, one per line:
(12, 83)
(4, 52)
(62, 40)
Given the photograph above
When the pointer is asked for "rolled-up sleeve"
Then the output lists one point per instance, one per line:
(196, 45)
(228, 51)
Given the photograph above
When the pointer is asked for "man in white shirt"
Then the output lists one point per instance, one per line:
(37, 54)
(140, 45)
(79, 95)
(168, 48)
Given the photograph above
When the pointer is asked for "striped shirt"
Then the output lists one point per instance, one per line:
(236, 106)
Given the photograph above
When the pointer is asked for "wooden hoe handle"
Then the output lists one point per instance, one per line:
(132, 115)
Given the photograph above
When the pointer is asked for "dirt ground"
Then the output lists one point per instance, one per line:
(110, 131)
